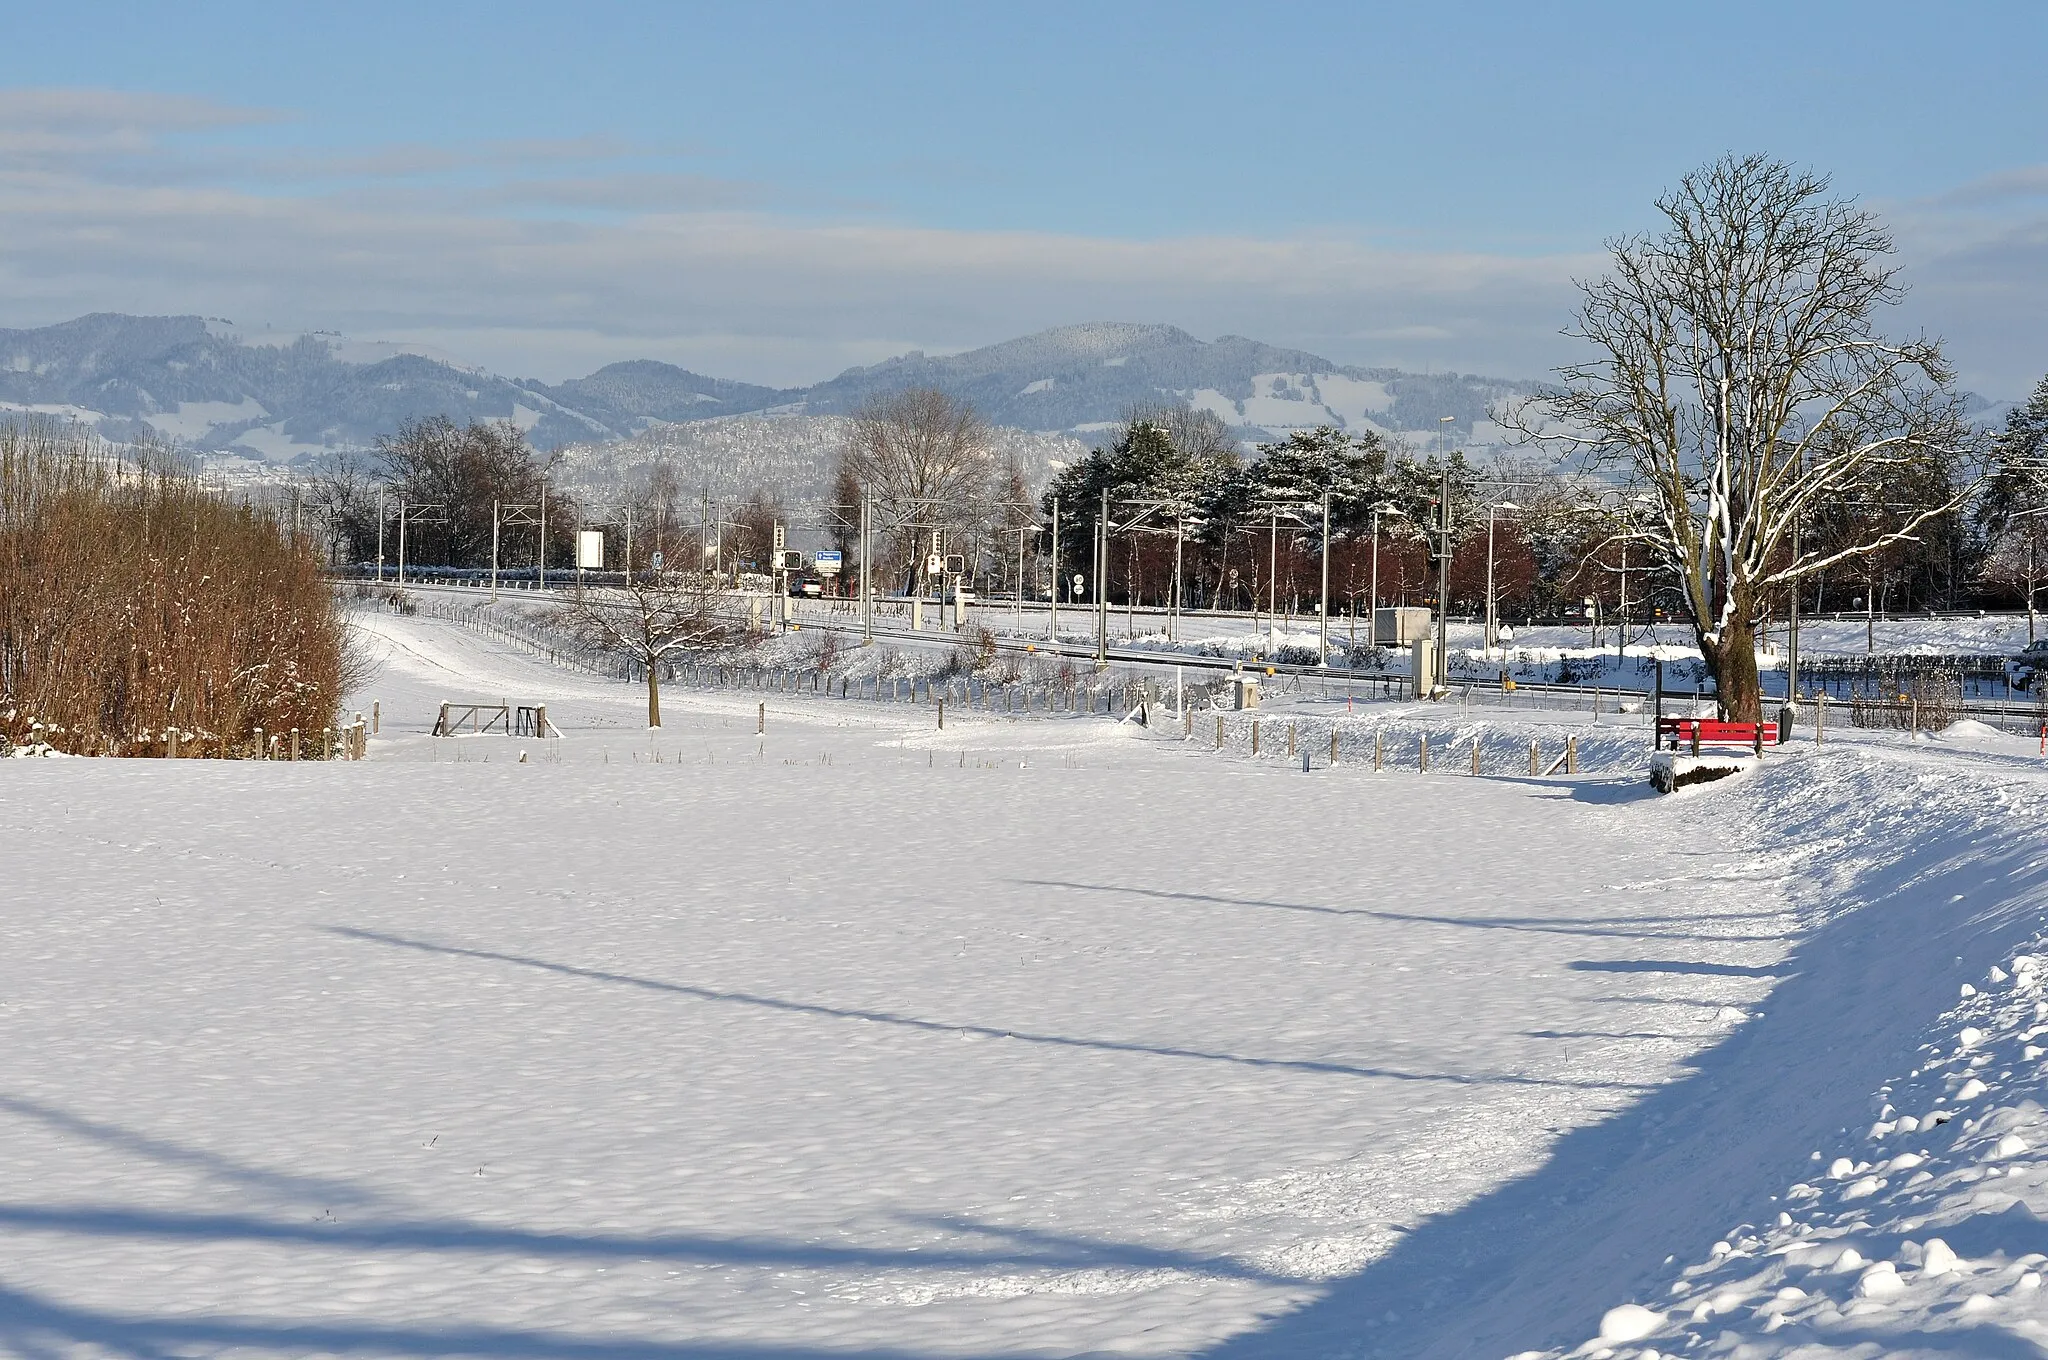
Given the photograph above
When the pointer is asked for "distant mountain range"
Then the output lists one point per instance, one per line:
(223, 391)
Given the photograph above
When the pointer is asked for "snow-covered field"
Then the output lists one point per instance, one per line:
(1052, 1037)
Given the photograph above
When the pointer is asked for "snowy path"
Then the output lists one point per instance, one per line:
(856, 1039)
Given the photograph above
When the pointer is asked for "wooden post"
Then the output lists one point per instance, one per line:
(1255, 736)
(1187, 720)
(376, 716)
(1290, 741)
(1219, 734)
(1535, 760)
(761, 720)
(259, 744)
(174, 743)
(1820, 717)
(942, 713)
(1333, 746)
(1379, 749)
(327, 743)
(1475, 755)
(295, 744)
(1571, 755)
(1423, 763)
(540, 720)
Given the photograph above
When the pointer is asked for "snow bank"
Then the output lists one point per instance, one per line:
(1919, 1228)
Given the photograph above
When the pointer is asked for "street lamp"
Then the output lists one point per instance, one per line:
(1492, 617)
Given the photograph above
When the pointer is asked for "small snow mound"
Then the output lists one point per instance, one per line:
(1849, 1260)
(1971, 1089)
(2012, 1145)
(1968, 990)
(1864, 1188)
(1841, 1168)
(1630, 1322)
(1997, 974)
(1937, 1258)
(1881, 1281)
(1970, 1037)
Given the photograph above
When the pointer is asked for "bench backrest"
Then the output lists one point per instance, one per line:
(1713, 729)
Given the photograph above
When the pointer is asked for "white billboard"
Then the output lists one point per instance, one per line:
(590, 550)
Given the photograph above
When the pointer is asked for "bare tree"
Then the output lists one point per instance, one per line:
(1739, 380)
(925, 457)
(654, 618)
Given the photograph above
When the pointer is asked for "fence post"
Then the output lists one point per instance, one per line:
(1475, 755)
(1379, 749)
(761, 720)
(1219, 734)
(942, 713)
(376, 716)
(1571, 755)
(1820, 718)
(1187, 720)
(1333, 745)
(1255, 736)
(327, 743)
(174, 743)
(1290, 741)
(1535, 760)
(1423, 762)
(259, 743)
(295, 743)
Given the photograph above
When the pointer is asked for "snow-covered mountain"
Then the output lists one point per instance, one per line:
(1081, 378)
(224, 391)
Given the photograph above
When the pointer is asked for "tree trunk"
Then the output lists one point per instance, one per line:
(1731, 659)
(653, 694)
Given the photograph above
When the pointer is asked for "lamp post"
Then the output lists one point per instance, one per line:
(1492, 614)
(1372, 622)
(1323, 603)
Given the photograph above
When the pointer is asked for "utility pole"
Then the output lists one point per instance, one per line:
(1372, 610)
(543, 531)
(380, 538)
(1019, 613)
(401, 543)
(494, 552)
(1273, 586)
(1101, 584)
(1179, 535)
(1442, 678)
(1053, 599)
(1323, 608)
(867, 593)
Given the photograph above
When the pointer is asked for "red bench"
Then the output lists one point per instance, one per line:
(1713, 732)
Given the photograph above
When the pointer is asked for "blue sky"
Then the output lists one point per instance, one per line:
(773, 191)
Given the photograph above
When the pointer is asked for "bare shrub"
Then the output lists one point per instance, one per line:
(1925, 700)
(134, 603)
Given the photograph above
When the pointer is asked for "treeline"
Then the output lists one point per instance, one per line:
(135, 603)
(1248, 526)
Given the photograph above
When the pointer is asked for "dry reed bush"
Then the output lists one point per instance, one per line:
(134, 603)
